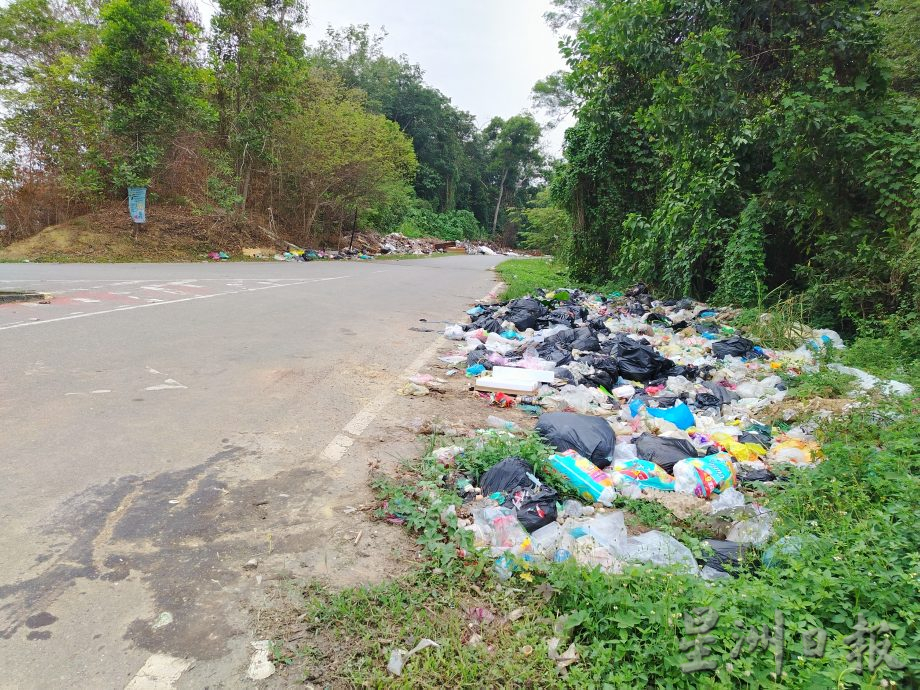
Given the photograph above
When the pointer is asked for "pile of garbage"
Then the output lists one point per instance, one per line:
(485, 248)
(639, 397)
(365, 246)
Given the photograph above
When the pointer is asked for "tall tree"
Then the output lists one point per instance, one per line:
(441, 133)
(148, 87)
(333, 154)
(513, 146)
(257, 53)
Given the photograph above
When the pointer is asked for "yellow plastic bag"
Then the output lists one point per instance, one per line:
(742, 452)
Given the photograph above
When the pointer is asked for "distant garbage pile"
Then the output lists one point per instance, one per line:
(486, 248)
(643, 398)
(367, 245)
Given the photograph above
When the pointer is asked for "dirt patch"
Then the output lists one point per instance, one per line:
(172, 233)
(796, 410)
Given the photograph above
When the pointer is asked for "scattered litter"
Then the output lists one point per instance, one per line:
(162, 620)
(447, 454)
(260, 665)
(398, 657)
(657, 400)
(413, 389)
(564, 660)
(869, 382)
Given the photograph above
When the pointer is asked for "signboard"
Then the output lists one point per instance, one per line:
(137, 204)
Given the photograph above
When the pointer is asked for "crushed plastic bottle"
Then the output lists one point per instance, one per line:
(499, 423)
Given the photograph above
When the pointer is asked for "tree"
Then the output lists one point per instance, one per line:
(442, 135)
(54, 115)
(514, 153)
(900, 23)
(545, 226)
(257, 54)
(335, 155)
(148, 87)
(725, 147)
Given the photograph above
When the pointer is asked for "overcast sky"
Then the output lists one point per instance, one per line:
(485, 55)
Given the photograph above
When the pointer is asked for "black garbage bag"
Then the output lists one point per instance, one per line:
(535, 507)
(598, 325)
(721, 392)
(479, 356)
(635, 309)
(662, 402)
(506, 476)
(486, 323)
(755, 437)
(550, 352)
(534, 503)
(664, 452)
(752, 476)
(637, 289)
(576, 339)
(704, 400)
(600, 379)
(727, 553)
(564, 374)
(688, 371)
(585, 340)
(660, 319)
(525, 312)
(637, 360)
(603, 363)
(559, 316)
(736, 346)
(591, 437)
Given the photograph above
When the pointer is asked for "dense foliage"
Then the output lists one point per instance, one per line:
(245, 120)
(725, 149)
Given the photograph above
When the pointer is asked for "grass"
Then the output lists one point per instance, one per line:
(853, 517)
(845, 545)
(824, 383)
(523, 276)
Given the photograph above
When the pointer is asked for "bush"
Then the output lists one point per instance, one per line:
(452, 225)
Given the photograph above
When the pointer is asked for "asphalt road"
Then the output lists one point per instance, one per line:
(143, 411)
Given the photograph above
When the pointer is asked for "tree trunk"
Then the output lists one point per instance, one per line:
(308, 228)
(498, 206)
(244, 183)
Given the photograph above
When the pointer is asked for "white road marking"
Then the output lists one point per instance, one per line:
(101, 390)
(159, 672)
(357, 425)
(84, 299)
(168, 384)
(173, 301)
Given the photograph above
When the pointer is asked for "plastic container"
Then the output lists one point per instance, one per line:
(592, 483)
(704, 477)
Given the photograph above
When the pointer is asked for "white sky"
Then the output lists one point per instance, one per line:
(485, 55)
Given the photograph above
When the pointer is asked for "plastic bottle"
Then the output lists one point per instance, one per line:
(498, 423)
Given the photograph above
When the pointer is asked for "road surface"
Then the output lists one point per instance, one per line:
(162, 424)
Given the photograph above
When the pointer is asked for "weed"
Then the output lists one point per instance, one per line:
(824, 383)
(781, 325)
(849, 546)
